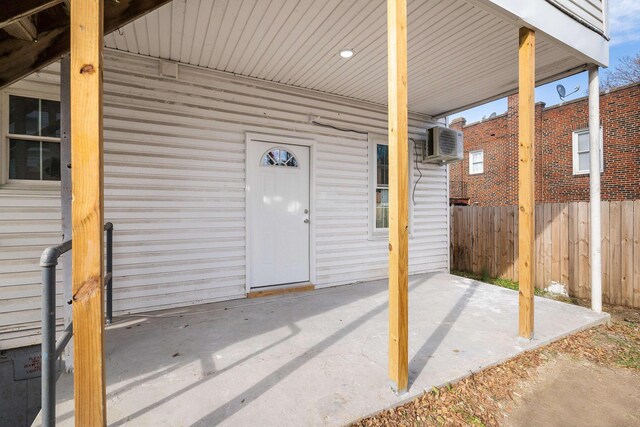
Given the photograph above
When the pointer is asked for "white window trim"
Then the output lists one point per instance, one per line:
(471, 153)
(373, 141)
(4, 139)
(574, 152)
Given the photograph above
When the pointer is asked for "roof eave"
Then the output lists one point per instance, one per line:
(556, 25)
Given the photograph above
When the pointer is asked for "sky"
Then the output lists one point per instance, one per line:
(624, 24)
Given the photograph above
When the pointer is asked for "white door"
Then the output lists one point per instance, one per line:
(278, 186)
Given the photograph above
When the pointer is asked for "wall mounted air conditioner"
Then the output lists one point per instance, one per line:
(443, 145)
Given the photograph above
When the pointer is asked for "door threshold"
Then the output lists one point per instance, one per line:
(281, 289)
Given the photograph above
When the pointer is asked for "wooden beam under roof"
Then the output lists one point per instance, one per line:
(19, 58)
(13, 11)
(67, 6)
(23, 29)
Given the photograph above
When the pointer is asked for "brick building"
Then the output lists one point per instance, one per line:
(489, 173)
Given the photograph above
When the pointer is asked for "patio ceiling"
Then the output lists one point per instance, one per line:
(460, 53)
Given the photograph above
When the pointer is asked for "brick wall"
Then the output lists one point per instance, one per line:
(555, 181)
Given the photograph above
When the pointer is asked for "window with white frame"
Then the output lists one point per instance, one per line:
(379, 184)
(382, 187)
(581, 160)
(33, 139)
(476, 162)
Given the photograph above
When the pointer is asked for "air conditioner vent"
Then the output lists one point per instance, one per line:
(444, 145)
(448, 142)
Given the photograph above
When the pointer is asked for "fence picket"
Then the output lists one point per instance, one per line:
(503, 262)
(614, 252)
(583, 250)
(564, 244)
(547, 243)
(636, 253)
(626, 248)
(573, 248)
(555, 242)
(538, 259)
(604, 249)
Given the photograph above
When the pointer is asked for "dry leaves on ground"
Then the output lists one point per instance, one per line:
(479, 400)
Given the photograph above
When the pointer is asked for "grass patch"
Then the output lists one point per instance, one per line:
(626, 341)
(631, 360)
(503, 283)
(615, 344)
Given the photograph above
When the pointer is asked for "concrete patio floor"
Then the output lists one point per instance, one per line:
(318, 358)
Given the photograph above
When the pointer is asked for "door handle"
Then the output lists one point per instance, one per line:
(306, 220)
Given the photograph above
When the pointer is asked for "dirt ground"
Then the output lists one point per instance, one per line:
(566, 392)
(588, 379)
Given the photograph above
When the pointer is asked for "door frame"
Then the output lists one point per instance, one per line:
(304, 141)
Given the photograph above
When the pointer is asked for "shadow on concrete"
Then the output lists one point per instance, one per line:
(246, 397)
(421, 358)
(318, 357)
(208, 369)
(216, 340)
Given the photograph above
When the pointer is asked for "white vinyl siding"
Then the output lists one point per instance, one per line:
(580, 148)
(175, 191)
(589, 11)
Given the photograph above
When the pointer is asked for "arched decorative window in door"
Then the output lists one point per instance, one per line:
(279, 157)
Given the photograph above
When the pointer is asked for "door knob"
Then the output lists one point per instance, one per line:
(306, 220)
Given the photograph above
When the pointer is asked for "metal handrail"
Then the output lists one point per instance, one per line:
(108, 278)
(48, 262)
(52, 349)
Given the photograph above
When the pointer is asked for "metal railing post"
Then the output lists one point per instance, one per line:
(52, 350)
(48, 262)
(109, 227)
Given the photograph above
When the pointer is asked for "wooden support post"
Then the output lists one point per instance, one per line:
(398, 196)
(526, 180)
(65, 194)
(87, 211)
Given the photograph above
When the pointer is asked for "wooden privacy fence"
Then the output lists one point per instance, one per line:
(484, 241)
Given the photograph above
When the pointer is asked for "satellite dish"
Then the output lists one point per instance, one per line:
(562, 92)
(492, 115)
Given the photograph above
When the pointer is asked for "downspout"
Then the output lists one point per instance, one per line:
(594, 189)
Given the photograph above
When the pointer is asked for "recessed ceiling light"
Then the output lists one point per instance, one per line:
(346, 53)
